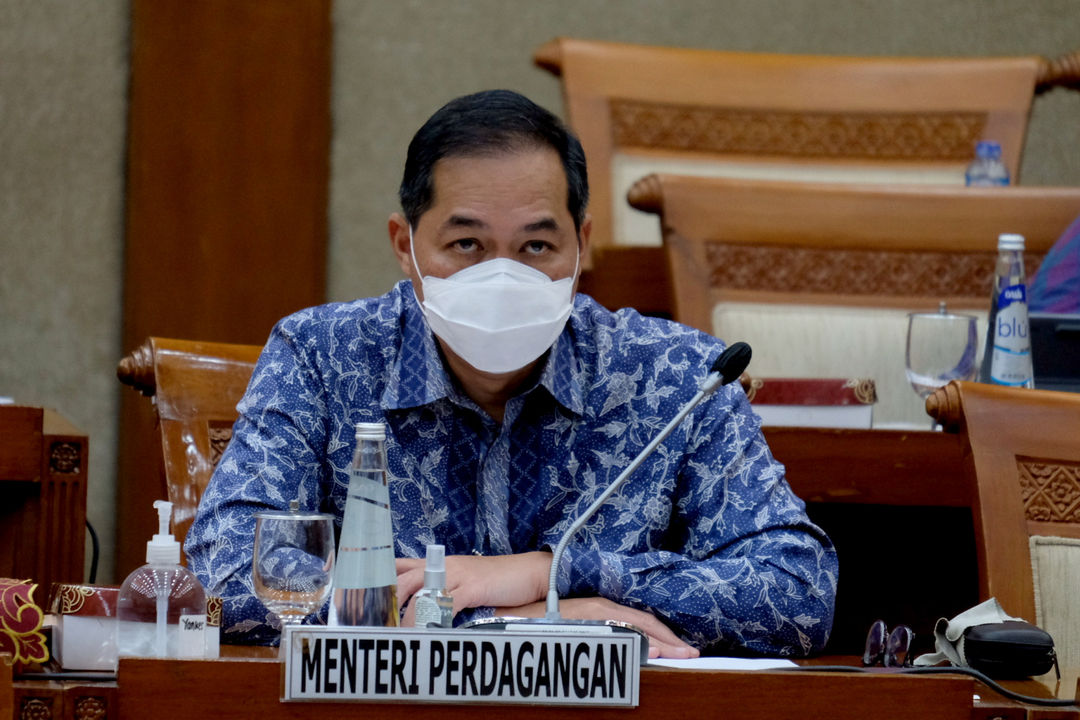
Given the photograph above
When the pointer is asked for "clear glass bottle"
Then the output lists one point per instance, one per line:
(365, 579)
(161, 606)
(987, 169)
(1007, 360)
(434, 607)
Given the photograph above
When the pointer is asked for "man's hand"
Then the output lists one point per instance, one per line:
(662, 641)
(472, 580)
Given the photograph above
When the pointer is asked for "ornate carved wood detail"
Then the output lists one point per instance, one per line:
(646, 194)
(1062, 71)
(137, 370)
(852, 272)
(65, 458)
(36, 708)
(91, 707)
(944, 406)
(1050, 489)
(220, 434)
(871, 135)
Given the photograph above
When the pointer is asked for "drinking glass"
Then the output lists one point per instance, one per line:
(941, 346)
(294, 562)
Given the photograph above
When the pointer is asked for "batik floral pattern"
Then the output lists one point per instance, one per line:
(706, 534)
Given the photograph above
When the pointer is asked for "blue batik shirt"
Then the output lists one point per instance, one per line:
(706, 534)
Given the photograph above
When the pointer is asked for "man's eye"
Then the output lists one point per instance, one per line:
(465, 244)
(536, 247)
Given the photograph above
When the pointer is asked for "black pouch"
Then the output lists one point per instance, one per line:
(1010, 649)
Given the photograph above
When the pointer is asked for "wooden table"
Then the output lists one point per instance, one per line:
(251, 688)
(899, 510)
(881, 467)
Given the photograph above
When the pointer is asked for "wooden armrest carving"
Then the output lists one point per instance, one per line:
(944, 406)
(646, 194)
(549, 57)
(137, 370)
(1063, 71)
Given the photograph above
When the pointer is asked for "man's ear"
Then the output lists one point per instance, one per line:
(584, 236)
(400, 242)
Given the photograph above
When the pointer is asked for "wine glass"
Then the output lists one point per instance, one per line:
(294, 561)
(941, 346)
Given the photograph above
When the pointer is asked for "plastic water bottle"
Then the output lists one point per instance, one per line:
(365, 579)
(987, 170)
(1008, 341)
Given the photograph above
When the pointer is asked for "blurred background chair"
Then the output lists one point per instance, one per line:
(1022, 457)
(819, 277)
(640, 109)
(194, 387)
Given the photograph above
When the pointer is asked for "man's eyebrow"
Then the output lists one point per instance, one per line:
(544, 224)
(463, 221)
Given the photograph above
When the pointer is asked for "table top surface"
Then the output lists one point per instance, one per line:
(245, 682)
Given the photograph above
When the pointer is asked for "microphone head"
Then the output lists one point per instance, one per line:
(732, 362)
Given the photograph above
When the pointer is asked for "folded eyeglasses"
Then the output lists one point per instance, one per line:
(891, 649)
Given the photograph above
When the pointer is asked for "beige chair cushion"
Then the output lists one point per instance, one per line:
(832, 341)
(633, 227)
(1055, 568)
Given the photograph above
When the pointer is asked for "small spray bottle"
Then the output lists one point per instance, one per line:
(161, 607)
(434, 606)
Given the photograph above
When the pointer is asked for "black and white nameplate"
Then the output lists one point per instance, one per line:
(515, 666)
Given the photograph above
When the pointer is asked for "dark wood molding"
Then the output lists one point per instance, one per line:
(228, 175)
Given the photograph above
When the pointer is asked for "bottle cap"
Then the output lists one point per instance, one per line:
(987, 149)
(1010, 241)
(435, 567)
(163, 549)
(371, 430)
(435, 559)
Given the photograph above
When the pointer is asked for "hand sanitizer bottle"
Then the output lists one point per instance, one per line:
(161, 607)
(434, 606)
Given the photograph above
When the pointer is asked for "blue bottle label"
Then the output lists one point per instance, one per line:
(1011, 363)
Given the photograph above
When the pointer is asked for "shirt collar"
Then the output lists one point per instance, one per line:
(419, 376)
(561, 375)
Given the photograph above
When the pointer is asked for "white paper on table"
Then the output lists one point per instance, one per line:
(724, 663)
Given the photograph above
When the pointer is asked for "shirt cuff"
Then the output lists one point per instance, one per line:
(590, 572)
(477, 613)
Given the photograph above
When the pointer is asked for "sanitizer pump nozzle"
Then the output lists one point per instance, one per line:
(163, 549)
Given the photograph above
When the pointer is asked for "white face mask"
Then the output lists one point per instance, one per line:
(498, 315)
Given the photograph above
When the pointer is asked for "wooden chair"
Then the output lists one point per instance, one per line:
(641, 109)
(195, 387)
(1021, 454)
(818, 277)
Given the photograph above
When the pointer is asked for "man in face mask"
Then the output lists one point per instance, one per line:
(510, 405)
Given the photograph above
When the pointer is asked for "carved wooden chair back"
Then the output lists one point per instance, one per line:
(1022, 458)
(195, 387)
(749, 259)
(640, 109)
(848, 244)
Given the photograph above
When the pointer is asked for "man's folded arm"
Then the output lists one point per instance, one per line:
(741, 566)
(770, 594)
(269, 462)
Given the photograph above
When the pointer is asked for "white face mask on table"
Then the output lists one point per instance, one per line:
(498, 315)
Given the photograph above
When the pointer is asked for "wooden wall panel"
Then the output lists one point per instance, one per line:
(228, 173)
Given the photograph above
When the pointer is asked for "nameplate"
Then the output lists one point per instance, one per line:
(460, 666)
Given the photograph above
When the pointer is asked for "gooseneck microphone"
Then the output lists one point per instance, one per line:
(729, 366)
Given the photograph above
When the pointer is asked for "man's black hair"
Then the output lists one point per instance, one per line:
(483, 124)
